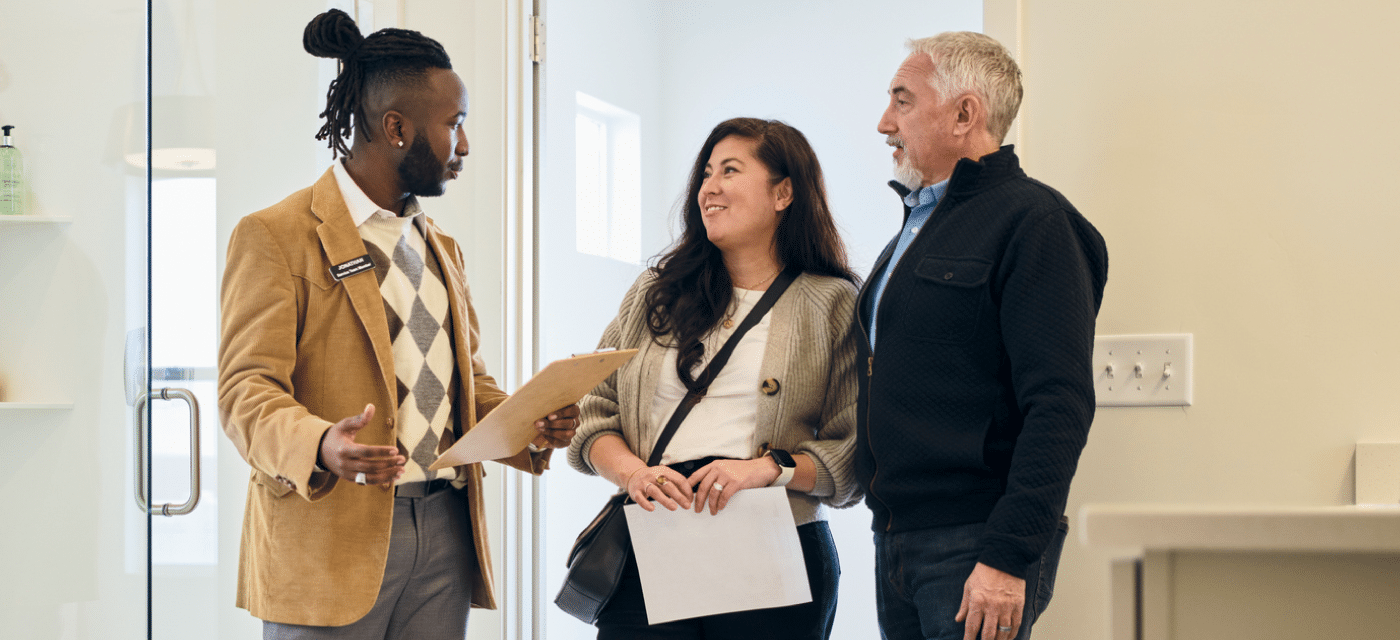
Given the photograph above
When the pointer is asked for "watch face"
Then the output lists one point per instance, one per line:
(783, 458)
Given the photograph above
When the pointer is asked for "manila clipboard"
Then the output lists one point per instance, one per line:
(511, 426)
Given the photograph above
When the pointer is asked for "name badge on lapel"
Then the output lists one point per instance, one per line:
(351, 267)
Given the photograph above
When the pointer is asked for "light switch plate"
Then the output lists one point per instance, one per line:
(1143, 370)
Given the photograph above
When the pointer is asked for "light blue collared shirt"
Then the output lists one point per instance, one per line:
(921, 204)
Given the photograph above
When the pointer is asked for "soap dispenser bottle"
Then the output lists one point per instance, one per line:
(11, 177)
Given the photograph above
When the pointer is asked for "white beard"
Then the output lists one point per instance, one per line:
(907, 175)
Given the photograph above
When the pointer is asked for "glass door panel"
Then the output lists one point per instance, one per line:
(73, 280)
(229, 138)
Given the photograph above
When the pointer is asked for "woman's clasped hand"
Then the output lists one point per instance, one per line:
(661, 483)
(711, 485)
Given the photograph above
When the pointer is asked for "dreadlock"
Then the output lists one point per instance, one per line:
(387, 58)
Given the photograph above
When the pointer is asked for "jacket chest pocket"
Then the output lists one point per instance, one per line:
(948, 299)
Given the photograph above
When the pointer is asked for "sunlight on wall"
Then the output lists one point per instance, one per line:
(608, 185)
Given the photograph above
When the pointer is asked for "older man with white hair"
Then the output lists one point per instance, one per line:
(977, 393)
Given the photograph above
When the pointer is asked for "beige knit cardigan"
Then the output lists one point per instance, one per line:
(811, 354)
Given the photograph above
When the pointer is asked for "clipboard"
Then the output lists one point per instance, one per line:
(511, 426)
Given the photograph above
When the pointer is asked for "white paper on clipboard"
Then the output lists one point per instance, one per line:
(511, 426)
(745, 557)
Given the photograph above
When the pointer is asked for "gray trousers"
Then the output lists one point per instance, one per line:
(427, 588)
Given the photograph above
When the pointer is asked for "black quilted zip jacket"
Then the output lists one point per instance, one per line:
(977, 400)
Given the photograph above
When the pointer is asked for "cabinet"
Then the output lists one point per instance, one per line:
(1216, 572)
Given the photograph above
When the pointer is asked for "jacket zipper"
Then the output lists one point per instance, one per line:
(870, 362)
(869, 382)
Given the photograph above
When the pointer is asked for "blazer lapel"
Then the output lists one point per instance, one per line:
(341, 242)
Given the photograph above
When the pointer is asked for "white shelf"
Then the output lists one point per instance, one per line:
(1174, 527)
(35, 219)
(35, 405)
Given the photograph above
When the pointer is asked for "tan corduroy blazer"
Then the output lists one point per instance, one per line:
(299, 351)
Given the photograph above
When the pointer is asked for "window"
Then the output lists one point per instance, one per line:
(608, 186)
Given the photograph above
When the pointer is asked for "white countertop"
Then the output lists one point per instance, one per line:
(1220, 528)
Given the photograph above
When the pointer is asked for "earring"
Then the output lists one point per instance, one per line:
(401, 144)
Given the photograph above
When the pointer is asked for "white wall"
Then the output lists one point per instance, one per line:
(609, 50)
(821, 66)
(1233, 155)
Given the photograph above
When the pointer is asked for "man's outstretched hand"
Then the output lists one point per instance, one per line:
(344, 457)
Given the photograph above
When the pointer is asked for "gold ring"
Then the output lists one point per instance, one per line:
(660, 480)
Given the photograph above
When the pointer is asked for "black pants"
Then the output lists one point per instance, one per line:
(625, 616)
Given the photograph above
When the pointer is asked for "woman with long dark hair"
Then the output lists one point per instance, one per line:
(781, 412)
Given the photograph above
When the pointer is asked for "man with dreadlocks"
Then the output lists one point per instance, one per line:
(349, 360)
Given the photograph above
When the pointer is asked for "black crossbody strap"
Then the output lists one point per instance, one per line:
(692, 398)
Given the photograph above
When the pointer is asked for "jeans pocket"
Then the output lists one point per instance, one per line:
(1049, 563)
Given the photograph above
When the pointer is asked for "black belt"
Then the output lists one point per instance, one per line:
(420, 489)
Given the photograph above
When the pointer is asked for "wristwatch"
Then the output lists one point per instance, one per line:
(787, 467)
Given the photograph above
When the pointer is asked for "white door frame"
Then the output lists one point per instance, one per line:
(501, 269)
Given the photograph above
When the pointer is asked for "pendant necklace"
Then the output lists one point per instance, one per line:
(734, 304)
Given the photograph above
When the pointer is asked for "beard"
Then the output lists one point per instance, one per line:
(907, 175)
(420, 172)
(905, 171)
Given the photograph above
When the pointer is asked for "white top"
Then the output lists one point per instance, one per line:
(361, 208)
(723, 424)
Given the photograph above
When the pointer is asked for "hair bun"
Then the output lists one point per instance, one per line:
(332, 34)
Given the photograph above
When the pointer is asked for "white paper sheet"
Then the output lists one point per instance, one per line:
(694, 564)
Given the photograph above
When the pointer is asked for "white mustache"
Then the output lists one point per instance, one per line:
(894, 141)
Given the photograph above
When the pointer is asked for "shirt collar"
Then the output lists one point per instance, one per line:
(927, 195)
(362, 208)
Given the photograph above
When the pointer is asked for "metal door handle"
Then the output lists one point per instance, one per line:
(141, 479)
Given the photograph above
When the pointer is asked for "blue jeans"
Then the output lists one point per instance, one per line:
(919, 578)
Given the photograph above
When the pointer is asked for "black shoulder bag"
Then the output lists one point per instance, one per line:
(599, 554)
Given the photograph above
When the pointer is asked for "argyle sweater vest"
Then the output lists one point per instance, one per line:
(420, 329)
